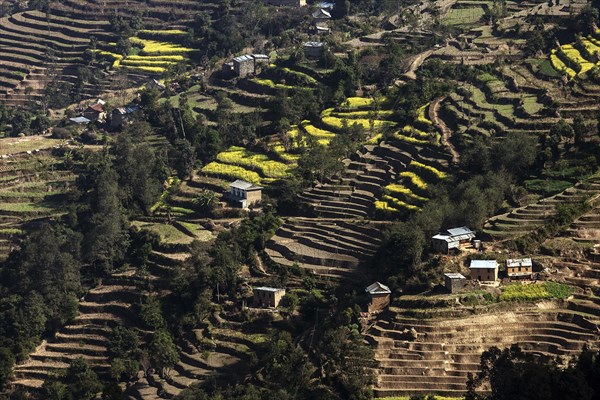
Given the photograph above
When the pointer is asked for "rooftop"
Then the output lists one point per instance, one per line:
(454, 275)
(243, 185)
(519, 262)
(80, 120)
(463, 230)
(267, 289)
(245, 57)
(320, 13)
(313, 44)
(483, 264)
(261, 56)
(377, 288)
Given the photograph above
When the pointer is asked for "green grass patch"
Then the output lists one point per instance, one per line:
(24, 208)
(198, 231)
(534, 292)
(29, 143)
(463, 16)
(547, 187)
(167, 234)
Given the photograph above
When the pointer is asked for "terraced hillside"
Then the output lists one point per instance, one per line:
(388, 178)
(33, 183)
(437, 355)
(522, 220)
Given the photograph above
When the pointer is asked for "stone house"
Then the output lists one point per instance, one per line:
(244, 194)
(453, 238)
(379, 296)
(484, 270)
(119, 117)
(267, 296)
(519, 268)
(454, 281)
(247, 64)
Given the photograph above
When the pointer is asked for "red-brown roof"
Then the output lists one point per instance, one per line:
(97, 107)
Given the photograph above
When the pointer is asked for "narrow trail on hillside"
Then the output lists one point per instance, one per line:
(415, 62)
(446, 132)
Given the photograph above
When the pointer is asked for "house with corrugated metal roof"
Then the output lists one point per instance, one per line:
(484, 270)
(244, 194)
(519, 268)
(379, 296)
(453, 238)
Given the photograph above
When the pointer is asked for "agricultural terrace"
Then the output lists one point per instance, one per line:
(240, 163)
(576, 59)
(149, 55)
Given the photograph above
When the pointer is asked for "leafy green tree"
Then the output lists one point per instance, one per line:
(163, 351)
(151, 313)
(7, 360)
(104, 223)
(55, 390)
(82, 381)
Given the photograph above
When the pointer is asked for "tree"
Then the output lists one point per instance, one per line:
(82, 381)
(151, 313)
(105, 225)
(163, 351)
(184, 158)
(7, 360)
(580, 129)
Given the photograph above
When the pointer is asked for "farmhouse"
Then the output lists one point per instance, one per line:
(454, 281)
(379, 296)
(95, 112)
(484, 270)
(452, 239)
(519, 268)
(247, 64)
(119, 117)
(245, 193)
(267, 296)
(313, 49)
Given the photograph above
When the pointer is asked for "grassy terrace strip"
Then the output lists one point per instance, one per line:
(415, 179)
(560, 66)
(421, 115)
(575, 58)
(429, 169)
(300, 75)
(338, 123)
(399, 204)
(168, 234)
(156, 48)
(409, 139)
(396, 189)
(317, 132)
(245, 158)
(231, 172)
(270, 84)
(384, 206)
(412, 131)
(534, 292)
(362, 114)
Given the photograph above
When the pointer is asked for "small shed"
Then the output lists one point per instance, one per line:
(245, 193)
(267, 296)
(484, 270)
(454, 281)
(379, 296)
(450, 239)
(79, 121)
(313, 49)
(121, 116)
(155, 84)
(519, 268)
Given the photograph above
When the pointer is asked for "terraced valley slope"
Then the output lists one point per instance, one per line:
(386, 179)
(437, 355)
